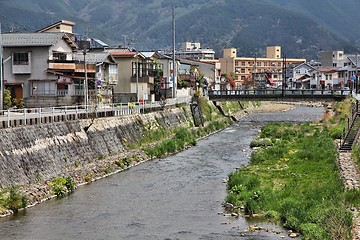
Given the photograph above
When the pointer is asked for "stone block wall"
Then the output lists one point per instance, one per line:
(31, 153)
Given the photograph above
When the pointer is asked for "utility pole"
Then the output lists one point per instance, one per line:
(356, 75)
(86, 96)
(137, 76)
(254, 77)
(174, 58)
(1, 74)
(284, 74)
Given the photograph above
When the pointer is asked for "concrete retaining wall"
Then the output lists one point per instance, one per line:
(44, 151)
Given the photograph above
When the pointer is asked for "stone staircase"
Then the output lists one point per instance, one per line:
(351, 134)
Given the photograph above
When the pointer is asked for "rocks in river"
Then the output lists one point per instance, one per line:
(229, 207)
(234, 214)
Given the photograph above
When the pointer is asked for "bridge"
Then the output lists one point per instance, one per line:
(279, 95)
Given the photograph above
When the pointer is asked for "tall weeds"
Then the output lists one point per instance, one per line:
(295, 181)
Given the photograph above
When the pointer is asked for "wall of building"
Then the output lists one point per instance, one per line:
(125, 73)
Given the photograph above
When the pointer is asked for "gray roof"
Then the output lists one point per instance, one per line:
(148, 54)
(93, 57)
(30, 39)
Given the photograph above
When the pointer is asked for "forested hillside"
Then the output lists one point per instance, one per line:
(300, 27)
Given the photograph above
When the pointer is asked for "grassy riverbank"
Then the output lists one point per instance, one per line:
(293, 179)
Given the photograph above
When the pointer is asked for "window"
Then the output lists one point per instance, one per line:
(21, 58)
(243, 70)
(258, 64)
(113, 69)
(242, 63)
(58, 56)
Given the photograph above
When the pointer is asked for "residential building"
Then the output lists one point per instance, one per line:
(34, 62)
(256, 71)
(328, 78)
(106, 77)
(333, 59)
(299, 76)
(190, 50)
(190, 69)
(41, 67)
(139, 75)
(167, 80)
(346, 66)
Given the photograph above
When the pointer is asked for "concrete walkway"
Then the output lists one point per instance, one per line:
(350, 175)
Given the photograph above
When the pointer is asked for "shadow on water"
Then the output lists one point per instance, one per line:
(179, 197)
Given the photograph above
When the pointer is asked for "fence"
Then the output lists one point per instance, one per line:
(31, 116)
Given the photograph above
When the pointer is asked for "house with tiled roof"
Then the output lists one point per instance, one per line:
(106, 77)
(41, 67)
(33, 64)
(139, 75)
(298, 76)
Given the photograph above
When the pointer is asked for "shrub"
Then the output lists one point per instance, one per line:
(15, 200)
(313, 231)
(261, 142)
(108, 170)
(61, 186)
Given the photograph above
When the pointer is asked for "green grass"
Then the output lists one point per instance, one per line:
(295, 181)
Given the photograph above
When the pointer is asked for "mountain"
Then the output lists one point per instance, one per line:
(302, 28)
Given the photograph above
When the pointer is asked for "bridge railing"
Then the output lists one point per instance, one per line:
(279, 92)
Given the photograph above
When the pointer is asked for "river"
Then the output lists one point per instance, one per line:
(179, 197)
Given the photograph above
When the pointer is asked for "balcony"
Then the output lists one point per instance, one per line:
(61, 66)
(147, 79)
(90, 68)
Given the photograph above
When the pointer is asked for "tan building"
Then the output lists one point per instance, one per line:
(256, 71)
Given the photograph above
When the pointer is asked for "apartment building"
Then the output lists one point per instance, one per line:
(257, 71)
(193, 50)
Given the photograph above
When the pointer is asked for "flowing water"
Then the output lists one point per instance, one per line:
(179, 197)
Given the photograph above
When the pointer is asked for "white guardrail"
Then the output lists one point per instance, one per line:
(16, 117)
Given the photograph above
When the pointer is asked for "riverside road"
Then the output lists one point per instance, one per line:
(179, 197)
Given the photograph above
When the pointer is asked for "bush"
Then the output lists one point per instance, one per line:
(261, 142)
(61, 186)
(15, 200)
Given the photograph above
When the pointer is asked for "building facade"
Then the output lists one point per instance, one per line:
(256, 71)
(190, 50)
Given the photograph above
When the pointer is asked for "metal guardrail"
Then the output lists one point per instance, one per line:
(31, 116)
(279, 92)
(279, 95)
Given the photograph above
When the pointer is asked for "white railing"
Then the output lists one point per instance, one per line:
(16, 117)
